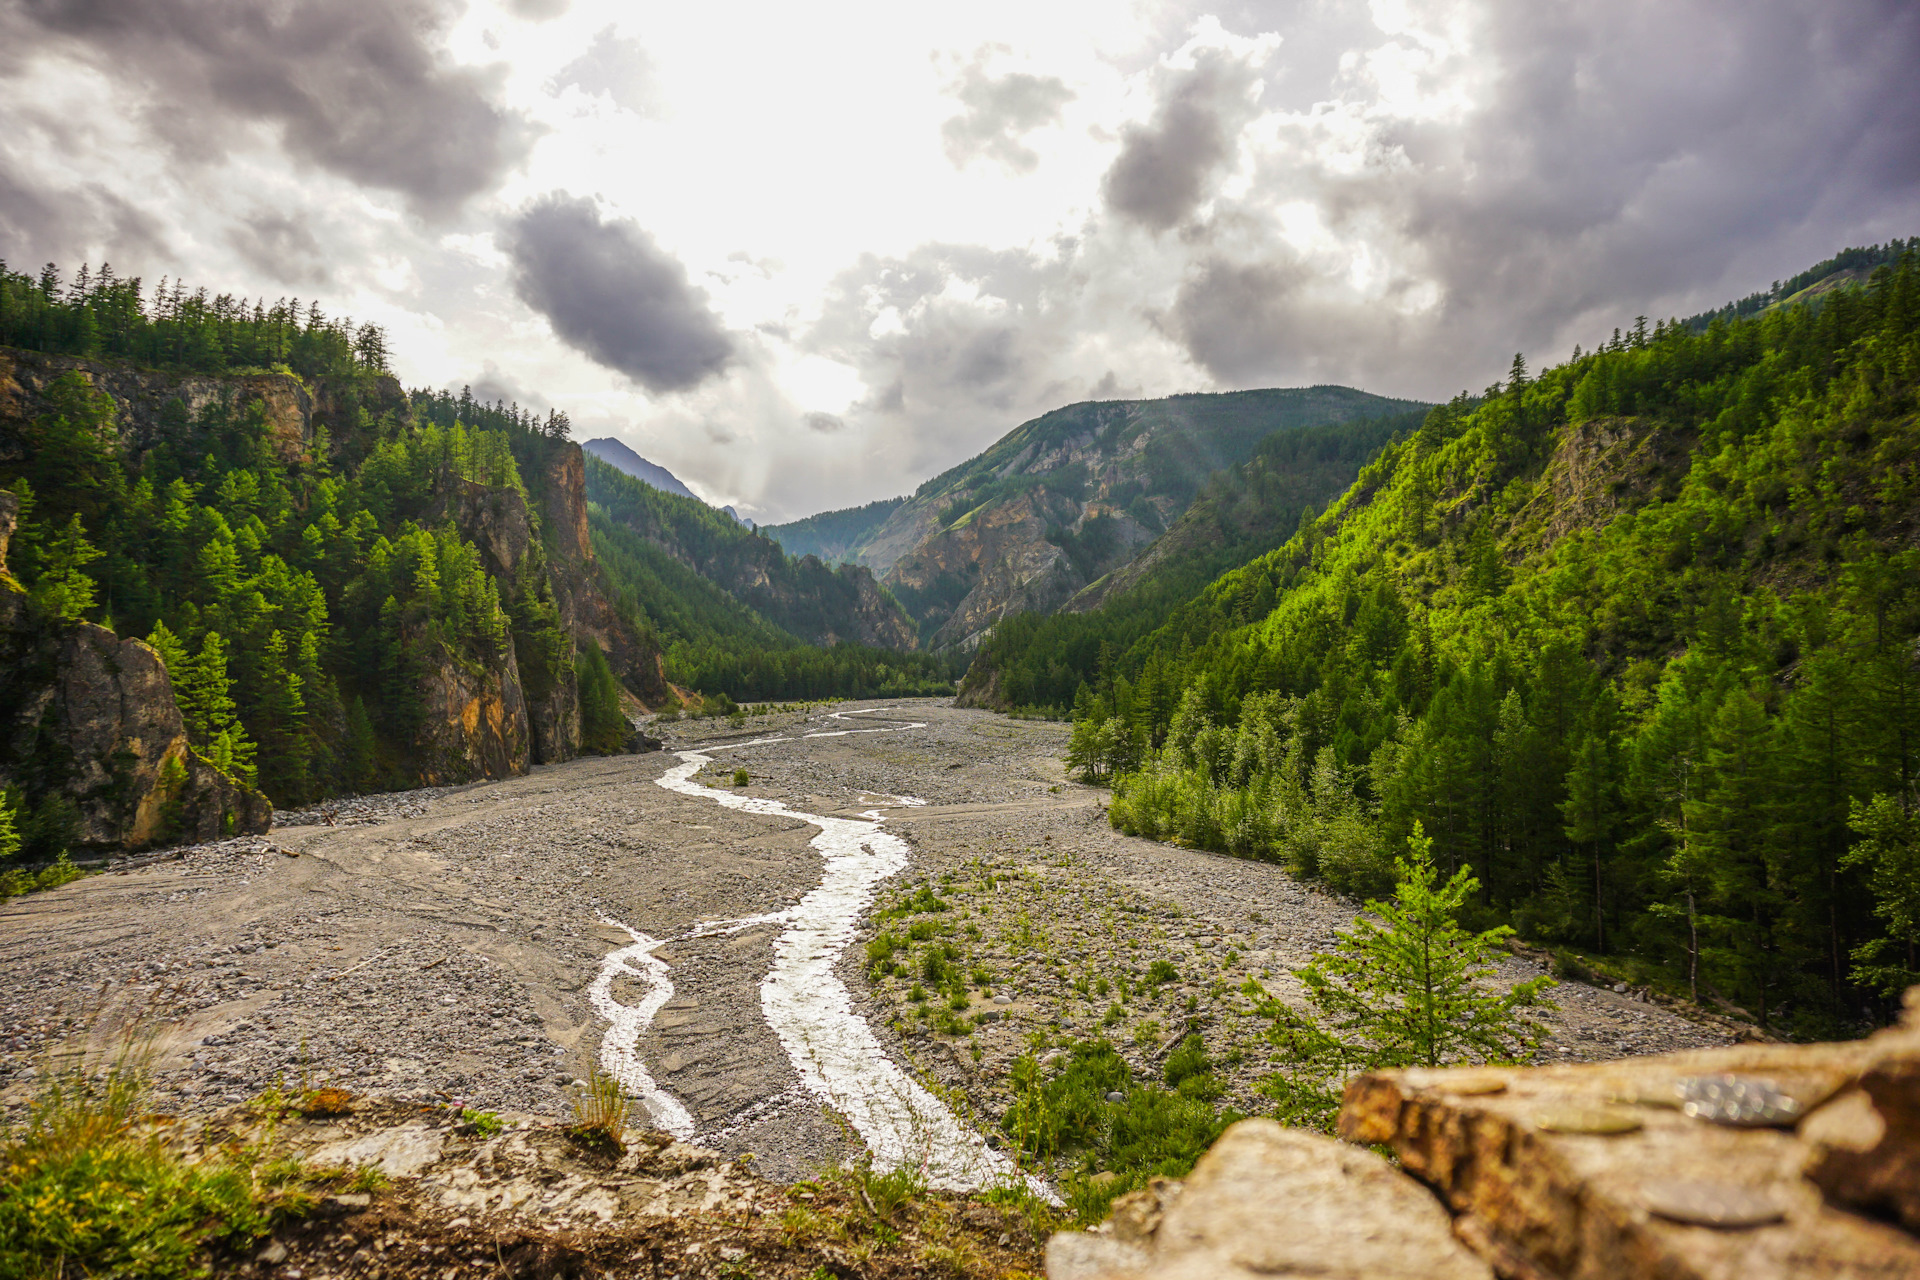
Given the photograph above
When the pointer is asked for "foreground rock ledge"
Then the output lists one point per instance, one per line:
(1557, 1173)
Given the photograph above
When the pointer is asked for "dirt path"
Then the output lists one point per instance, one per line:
(481, 942)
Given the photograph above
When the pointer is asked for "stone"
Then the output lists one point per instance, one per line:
(273, 1255)
(1712, 1204)
(1866, 1143)
(399, 1153)
(1273, 1202)
(1076, 1255)
(1116, 1096)
(1673, 1198)
(1725, 1099)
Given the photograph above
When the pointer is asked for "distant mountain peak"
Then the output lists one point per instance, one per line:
(621, 458)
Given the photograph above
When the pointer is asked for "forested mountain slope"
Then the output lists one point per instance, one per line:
(801, 596)
(837, 537)
(738, 614)
(1068, 497)
(1244, 511)
(343, 596)
(1635, 638)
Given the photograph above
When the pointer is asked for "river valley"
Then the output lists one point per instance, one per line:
(705, 943)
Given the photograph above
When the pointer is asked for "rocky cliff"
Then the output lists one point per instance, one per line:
(154, 407)
(90, 718)
(577, 587)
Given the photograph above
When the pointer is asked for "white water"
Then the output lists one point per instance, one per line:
(835, 1052)
(618, 1057)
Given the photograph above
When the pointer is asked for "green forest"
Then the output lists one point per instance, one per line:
(295, 592)
(300, 592)
(1634, 638)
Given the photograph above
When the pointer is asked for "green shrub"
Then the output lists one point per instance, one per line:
(83, 1191)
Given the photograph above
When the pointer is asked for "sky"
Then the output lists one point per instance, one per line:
(806, 256)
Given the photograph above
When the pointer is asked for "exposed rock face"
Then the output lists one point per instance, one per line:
(1005, 557)
(1269, 1201)
(474, 723)
(584, 608)
(496, 521)
(142, 399)
(92, 716)
(1717, 1164)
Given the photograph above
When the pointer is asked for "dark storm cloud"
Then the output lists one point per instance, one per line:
(998, 112)
(613, 294)
(281, 246)
(1162, 171)
(1233, 318)
(1641, 157)
(353, 86)
(618, 67)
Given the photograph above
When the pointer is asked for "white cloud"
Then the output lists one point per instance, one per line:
(930, 222)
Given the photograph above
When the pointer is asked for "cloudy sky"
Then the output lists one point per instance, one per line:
(807, 255)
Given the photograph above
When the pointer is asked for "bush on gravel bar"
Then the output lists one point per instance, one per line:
(1065, 1118)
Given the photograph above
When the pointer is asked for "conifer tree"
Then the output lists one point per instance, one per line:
(1405, 983)
(603, 722)
(1889, 852)
(61, 588)
(9, 828)
(173, 654)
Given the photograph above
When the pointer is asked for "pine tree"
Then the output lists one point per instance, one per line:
(603, 722)
(61, 588)
(1730, 823)
(1889, 852)
(279, 724)
(1407, 984)
(9, 828)
(357, 757)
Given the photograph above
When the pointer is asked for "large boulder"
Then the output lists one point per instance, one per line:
(1273, 1202)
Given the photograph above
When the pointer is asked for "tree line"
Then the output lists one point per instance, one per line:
(99, 314)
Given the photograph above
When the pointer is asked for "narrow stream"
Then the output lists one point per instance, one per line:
(838, 1058)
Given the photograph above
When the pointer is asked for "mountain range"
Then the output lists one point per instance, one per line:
(1064, 500)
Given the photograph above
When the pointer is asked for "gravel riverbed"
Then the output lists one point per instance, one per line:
(442, 943)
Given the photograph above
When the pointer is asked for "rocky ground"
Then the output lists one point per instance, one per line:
(438, 945)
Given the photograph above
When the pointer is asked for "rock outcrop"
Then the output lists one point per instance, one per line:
(1718, 1164)
(1269, 1201)
(585, 609)
(473, 723)
(496, 521)
(89, 716)
(153, 407)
